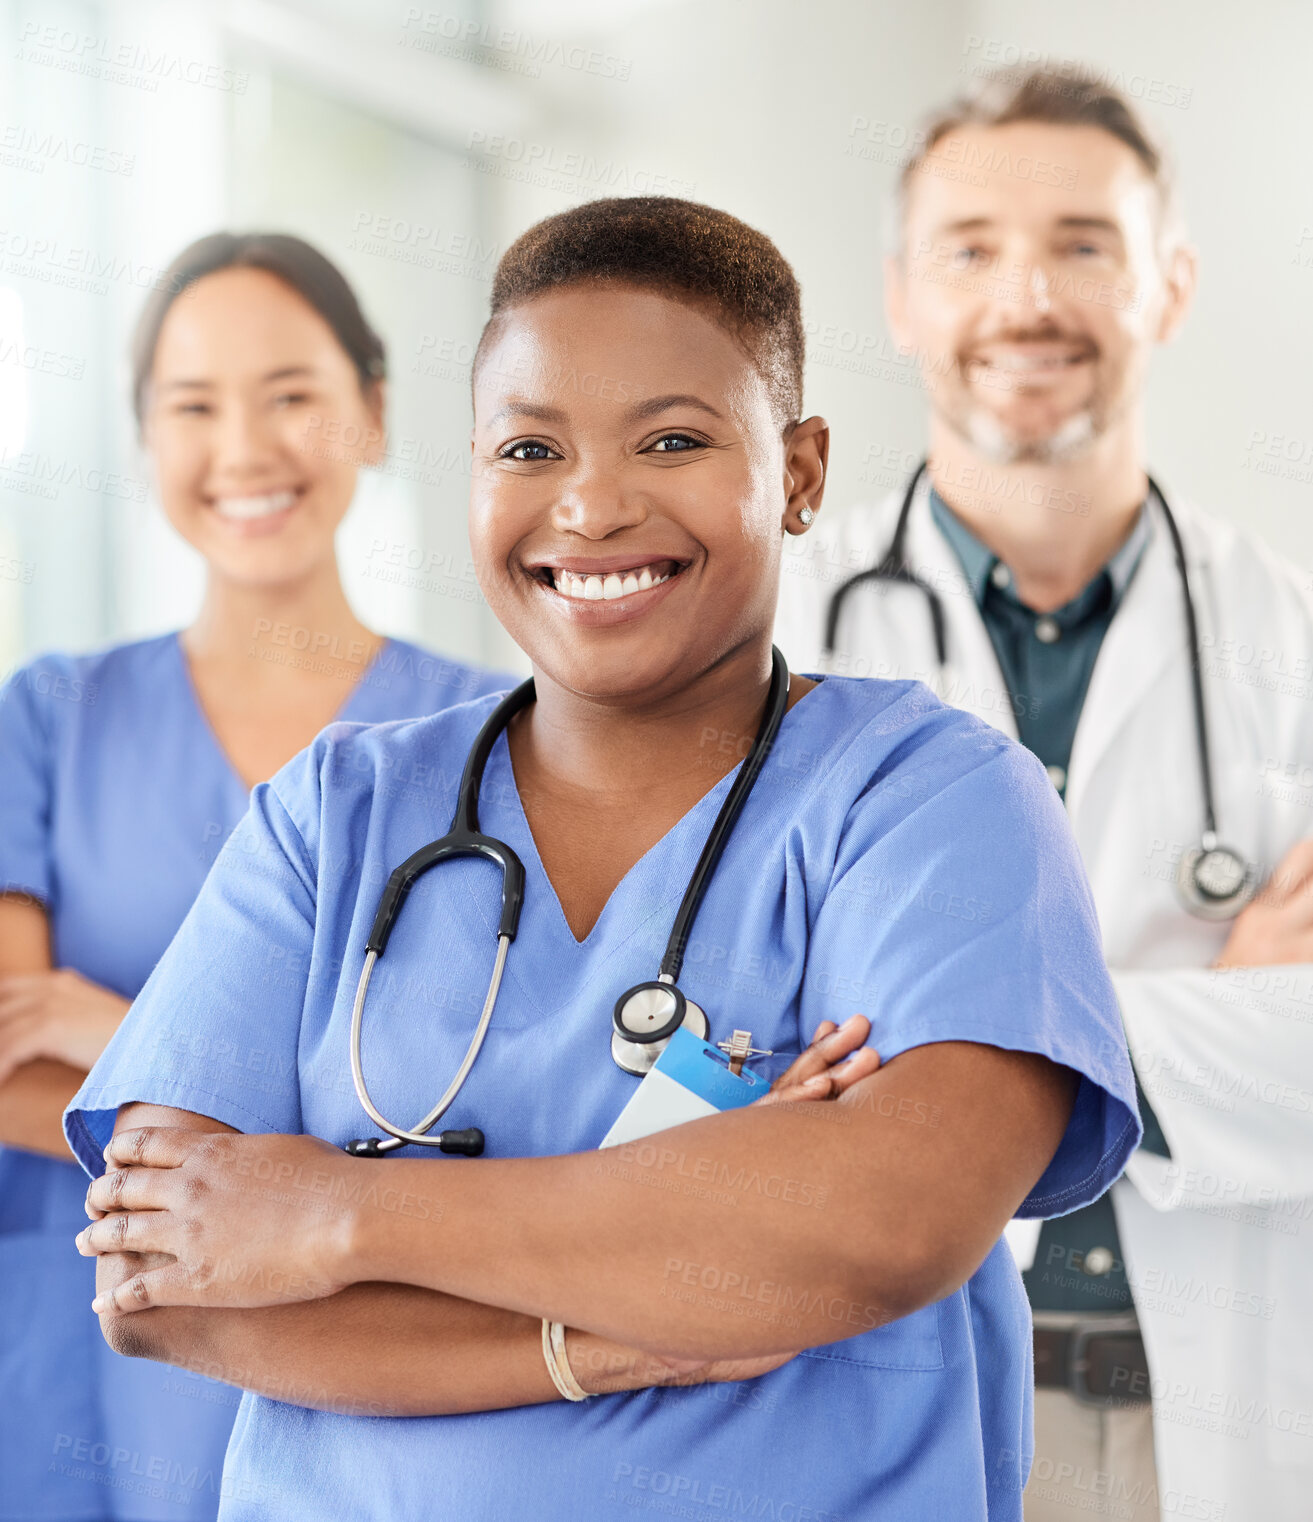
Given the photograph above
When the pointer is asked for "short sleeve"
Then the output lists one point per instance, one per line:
(960, 908)
(215, 1030)
(27, 767)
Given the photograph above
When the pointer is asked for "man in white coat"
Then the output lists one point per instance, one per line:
(1041, 260)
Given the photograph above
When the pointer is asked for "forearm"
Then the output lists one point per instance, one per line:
(746, 1233)
(741, 1236)
(599, 1240)
(33, 1098)
(32, 1104)
(371, 1350)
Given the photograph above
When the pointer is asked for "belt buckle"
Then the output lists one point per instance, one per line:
(1084, 1336)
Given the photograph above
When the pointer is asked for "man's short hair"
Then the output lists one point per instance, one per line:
(1074, 97)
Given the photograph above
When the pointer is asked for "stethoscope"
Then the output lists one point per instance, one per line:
(644, 1018)
(1213, 881)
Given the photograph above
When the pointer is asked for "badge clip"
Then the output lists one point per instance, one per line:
(739, 1049)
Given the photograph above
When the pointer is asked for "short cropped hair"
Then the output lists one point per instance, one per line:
(677, 248)
(1066, 97)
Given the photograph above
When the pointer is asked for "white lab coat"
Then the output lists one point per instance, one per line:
(1218, 1241)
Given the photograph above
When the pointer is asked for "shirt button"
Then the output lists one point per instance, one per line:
(1098, 1261)
(1057, 776)
(1001, 576)
(1047, 630)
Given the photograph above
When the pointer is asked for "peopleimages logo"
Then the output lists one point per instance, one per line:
(546, 163)
(49, 476)
(23, 148)
(121, 62)
(499, 45)
(56, 263)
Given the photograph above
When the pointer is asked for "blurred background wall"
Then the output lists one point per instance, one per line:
(413, 142)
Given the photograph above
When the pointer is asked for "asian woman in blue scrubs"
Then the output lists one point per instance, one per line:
(639, 453)
(124, 772)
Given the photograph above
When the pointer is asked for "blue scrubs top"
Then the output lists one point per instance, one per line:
(114, 801)
(896, 856)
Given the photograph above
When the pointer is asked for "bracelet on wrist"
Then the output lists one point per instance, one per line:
(557, 1359)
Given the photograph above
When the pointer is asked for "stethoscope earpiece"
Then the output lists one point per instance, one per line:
(466, 1143)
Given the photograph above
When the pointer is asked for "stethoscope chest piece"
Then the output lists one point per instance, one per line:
(1214, 881)
(644, 1020)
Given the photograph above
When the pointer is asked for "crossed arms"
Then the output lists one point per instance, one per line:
(397, 1287)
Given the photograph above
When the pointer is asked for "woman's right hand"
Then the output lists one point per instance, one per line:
(820, 1072)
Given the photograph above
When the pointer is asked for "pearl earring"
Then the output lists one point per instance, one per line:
(806, 517)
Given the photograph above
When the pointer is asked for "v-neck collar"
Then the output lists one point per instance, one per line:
(669, 845)
(667, 865)
(203, 718)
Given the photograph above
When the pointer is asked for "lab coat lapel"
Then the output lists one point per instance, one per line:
(974, 679)
(1147, 632)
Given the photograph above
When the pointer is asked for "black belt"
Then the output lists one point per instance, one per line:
(1100, 1362)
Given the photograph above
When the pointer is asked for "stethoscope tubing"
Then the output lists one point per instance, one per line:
(893, 566)
(418, 1135)
(777, 701)
(1196, 672)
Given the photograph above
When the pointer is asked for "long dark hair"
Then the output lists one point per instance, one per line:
(314, 278)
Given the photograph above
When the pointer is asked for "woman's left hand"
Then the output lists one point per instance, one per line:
(249, 1220)
(836, 1059)
(57, 1014)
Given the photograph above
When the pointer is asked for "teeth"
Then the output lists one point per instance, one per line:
(606, 588)
(1024, 362)
(241, 509)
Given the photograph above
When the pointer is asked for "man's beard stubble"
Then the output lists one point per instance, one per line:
(988, 436)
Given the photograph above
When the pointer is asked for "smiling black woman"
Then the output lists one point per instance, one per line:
(637, 406)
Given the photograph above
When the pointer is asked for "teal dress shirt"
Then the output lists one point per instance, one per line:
(1047, 660)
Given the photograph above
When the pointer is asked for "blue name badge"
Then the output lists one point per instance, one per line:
(690, 1079)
